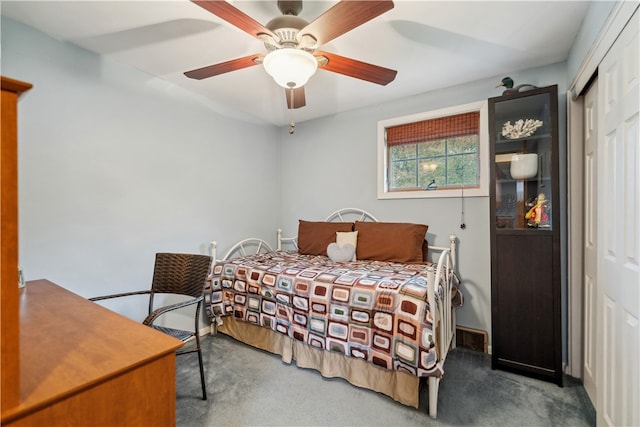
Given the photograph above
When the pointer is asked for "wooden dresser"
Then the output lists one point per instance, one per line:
(82, 364)
(11, 91)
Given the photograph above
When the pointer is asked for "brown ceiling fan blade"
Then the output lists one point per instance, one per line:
(344, 17)
(357, 69)
(298, 98)
(234, 16)
(224, 67)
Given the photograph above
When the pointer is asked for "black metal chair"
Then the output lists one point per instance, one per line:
(180, 274)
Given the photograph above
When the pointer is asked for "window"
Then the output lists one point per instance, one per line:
(441, 153)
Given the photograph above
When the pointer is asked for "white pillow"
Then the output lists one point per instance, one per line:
(343, 253)
(347, 237)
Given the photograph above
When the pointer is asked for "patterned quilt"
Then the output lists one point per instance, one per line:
(373, 310)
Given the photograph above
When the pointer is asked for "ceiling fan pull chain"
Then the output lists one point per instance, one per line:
(292, 125)
(462, 223)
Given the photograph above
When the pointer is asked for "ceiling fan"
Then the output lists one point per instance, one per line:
(291, 44)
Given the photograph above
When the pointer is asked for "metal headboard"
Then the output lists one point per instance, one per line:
(341, 215)
(250, 246)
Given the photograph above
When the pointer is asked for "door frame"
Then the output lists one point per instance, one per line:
(613, 26)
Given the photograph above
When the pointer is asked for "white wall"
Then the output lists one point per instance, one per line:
(330, 163)
(590, 29)
(115, 166)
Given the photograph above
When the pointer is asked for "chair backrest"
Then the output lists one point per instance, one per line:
(183, 274)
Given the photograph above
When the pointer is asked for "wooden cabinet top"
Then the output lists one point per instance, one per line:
(69, 344)
(13, 85)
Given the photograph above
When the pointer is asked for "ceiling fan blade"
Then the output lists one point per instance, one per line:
(234, 16)
(357, 69)
(298, 97)
(224, 67)
(343, 17)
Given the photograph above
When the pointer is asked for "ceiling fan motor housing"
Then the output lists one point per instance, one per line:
(286, 27)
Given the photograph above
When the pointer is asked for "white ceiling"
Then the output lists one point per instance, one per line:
(432, 44)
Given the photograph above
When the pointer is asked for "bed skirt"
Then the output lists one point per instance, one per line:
(400, 386)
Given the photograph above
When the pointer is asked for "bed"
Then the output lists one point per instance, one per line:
(351, 297)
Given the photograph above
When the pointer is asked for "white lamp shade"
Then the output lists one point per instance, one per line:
(524, 166)
(290, 68)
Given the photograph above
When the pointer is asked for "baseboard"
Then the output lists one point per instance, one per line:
(472, 339)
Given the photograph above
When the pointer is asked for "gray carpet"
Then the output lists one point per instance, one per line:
(249, 387)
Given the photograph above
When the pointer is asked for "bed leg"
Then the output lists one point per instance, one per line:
(454, 331)
(433, 396)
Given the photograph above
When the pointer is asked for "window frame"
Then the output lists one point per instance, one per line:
(481, 190)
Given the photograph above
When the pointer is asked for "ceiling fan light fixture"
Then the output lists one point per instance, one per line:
(291, 68)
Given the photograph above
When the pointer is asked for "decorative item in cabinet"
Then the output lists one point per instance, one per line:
(525, 234)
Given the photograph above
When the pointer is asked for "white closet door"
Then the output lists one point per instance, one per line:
(618, 373)
(590, 339)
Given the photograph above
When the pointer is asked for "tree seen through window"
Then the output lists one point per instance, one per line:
(447, 162)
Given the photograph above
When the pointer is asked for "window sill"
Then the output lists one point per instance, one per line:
(433, 194)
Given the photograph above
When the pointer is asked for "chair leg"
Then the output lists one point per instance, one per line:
(204, 385)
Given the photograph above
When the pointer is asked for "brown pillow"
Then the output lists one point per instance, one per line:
(390, 241)
(314, 237)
